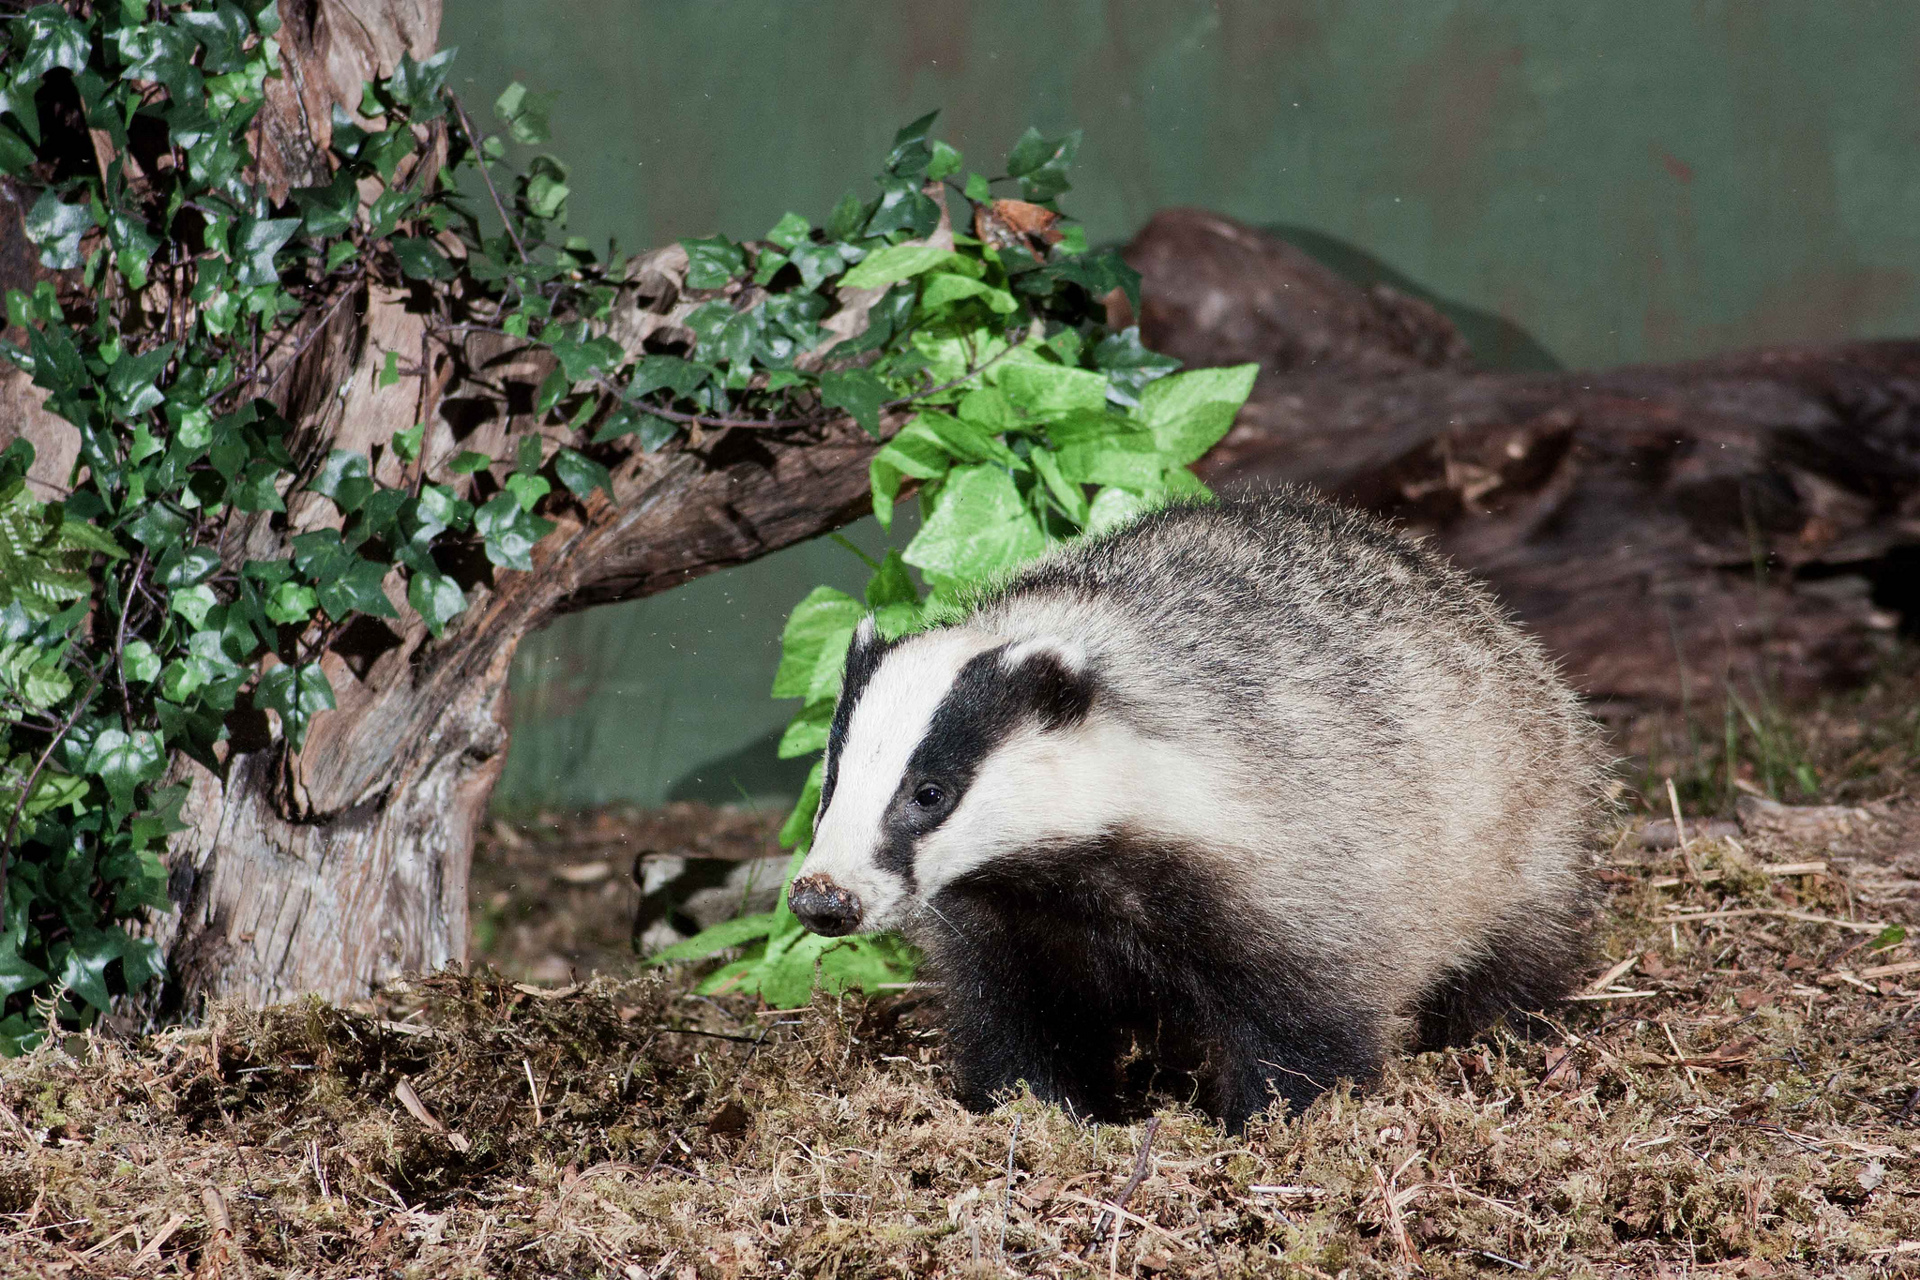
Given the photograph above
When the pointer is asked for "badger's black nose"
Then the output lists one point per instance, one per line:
(823, 906)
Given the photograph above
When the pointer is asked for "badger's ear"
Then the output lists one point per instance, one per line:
(1052, 678)
(863, 655)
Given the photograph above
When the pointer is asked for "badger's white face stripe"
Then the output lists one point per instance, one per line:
(1077, 785)
(888, 722)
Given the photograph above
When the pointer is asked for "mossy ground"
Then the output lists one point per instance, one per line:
(1745, 1101)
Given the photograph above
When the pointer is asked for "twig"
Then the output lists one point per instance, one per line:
(819, 419)
(1858, 926)
(120, 635)
(534, 1090)
(466, 127)
(1006, 1206)
(1396, 1224)
(1133, 1184)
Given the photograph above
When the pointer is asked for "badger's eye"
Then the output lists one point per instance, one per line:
(928, 796)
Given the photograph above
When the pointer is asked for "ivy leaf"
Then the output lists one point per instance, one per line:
(510, 532)
(56, 229)
(193, 604)
(298, 694)
(254, 246)
(791, 230)
(406, 444)
(1189, 412)
(903, 207)
(652, 373)
(1100, 274)
(437, 599)
(817, 262)
(139, 662)
(290, 603)
(421, 259)
(133, 246)
(826, 616)
(328, 211)
(347, 478)
(1128, 364)
(357, 589)
(133, 379)
(981, 528)
(581, 474)
(221, 32)
(524, 113)
(49, 38)
(528, 490)
(896, 263)
(125, 760)
(16, 157)
(1041, 164)
(417, 86)
(859, 393)
(88, 954)
(713, 262)
(466, 462)
(16, 974)
(891, 584)
(1053, 391)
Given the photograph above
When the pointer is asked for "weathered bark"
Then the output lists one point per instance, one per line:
(335, 867)
(1669, 531)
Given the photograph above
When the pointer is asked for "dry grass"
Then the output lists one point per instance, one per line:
(1744, 1101)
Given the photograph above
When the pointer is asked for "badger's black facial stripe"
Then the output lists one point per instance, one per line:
(863, 659)
(986, 703)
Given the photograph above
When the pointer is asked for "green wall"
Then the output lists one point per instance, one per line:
(1586, 184)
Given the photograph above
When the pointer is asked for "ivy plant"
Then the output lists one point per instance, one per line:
(1046, 423)
(133, 634)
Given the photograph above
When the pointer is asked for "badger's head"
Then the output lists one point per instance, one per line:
(947, 750)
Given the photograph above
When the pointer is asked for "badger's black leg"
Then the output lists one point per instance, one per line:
(1296, 1060)
(1522, 967)
(1004, 1032)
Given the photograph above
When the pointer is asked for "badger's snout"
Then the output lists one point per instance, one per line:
(823, 906)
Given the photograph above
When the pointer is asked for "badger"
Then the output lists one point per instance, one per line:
(1258, 789)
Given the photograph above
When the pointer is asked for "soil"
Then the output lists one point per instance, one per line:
(1736, 1094)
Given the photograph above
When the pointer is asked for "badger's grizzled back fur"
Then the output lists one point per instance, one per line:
(1261, 784)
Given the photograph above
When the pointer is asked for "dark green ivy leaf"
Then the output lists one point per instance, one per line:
(357, 590)
(436, 598)
(125, 760)
(258, 240)
(651, 373)
(298, 694)
(1128, 364)
(328, 211)
(421, 259)
(417, 86)
(346, 477)
(16, 156)
(56, 228)
(581, 474)
(713, 262)
(221, 32)
(50, 39)
(859, 393)
(1041, 163)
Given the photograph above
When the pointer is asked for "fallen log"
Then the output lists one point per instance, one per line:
(1750, 522)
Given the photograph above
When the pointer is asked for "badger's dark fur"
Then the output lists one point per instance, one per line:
(1259, 785)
